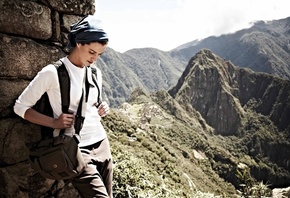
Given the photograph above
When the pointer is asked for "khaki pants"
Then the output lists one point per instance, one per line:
(96, 179)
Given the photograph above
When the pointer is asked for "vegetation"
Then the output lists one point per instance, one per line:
(157, 155)
(250, 188)
(152, 162)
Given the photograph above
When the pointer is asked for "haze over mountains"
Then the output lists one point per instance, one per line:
(264, 48)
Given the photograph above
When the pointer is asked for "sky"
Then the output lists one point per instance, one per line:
(167, 24)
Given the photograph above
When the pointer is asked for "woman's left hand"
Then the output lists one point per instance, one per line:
(103, 109)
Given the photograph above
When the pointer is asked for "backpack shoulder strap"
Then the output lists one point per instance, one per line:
(64, 84)
(94, 77)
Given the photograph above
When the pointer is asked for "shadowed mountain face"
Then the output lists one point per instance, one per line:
(265, 47)
(220, 91)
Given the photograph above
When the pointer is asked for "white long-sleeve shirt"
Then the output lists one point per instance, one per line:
(47, 81)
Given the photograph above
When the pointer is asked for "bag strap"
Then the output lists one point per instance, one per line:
(94, 77)
(80, 115)
(64, 84)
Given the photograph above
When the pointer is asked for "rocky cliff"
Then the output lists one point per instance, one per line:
(220, 91)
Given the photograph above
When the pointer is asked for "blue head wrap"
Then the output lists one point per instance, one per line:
(87, 30)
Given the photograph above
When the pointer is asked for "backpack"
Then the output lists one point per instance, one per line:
(43, 105)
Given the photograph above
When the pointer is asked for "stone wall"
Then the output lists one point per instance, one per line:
(32, 35)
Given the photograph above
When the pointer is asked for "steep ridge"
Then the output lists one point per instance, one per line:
(219, 91)
(264, 47)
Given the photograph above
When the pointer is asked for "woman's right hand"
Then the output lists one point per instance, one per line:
(64, 121)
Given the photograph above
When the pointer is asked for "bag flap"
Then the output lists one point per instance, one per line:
(54, 161)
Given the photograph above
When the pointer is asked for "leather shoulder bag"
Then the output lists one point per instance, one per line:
(60, 157)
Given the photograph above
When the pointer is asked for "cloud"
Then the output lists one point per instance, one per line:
(225, 16)
(167, 24)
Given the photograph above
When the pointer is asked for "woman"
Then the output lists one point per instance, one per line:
(87, 41)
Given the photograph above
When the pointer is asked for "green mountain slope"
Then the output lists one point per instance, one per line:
(160, 155)
(149, 69)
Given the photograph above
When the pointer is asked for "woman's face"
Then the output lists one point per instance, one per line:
(89, 53)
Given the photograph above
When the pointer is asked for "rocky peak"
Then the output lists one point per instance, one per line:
(205, 84)
(219, 90)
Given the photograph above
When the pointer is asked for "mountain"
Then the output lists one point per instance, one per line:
(147, 68)
(226, 127)
(265, 47)
(239, 103)
(219, 91)
(157, 69)
(116, 84)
